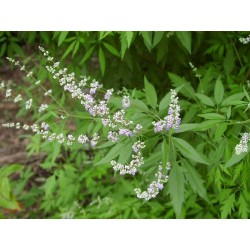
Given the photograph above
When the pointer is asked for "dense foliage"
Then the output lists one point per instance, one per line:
(207, 179)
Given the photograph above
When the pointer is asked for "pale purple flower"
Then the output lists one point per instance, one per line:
(125, 102)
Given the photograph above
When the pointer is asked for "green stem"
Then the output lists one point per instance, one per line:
(237, 54)
(239, 122)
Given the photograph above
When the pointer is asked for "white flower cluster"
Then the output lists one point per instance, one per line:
(195, 70)
(172, 120)
(43, 107)
(242, 147)
(18, 98)
(245, 40)
(108, 94)
(155, 186)
(43, 130)
(48, 92)
(8, 93)
(2, 85)
(28, 104)
(135, 163)
(125, 102)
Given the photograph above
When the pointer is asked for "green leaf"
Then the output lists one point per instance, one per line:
(112, 154)
(207, 125)
(17, 49)
(62, 37)
(129, 36)
(220, 131)
(125, 153)
(185, 37)
(45, 36)
(231, 99)
(87, 54)
(69, 49)
(178, 81)
(3, 49)
(218, 91)
(155, 157)
(147, 38)
(165, 101)
(106, 144)
(7, 200)
(176, 185)
(50, 186)
(228, 206)
(102, 60)
(246, 94)
(205, 99)
(228, 62)
(218, 179)
(157, 37)
(124, 44)
(188, 151)
(103, 34)
(150, 92)
(212, 116)
(9, 204)
(76, 48)
(194, 179)
(243, 207)
(10, 169)
(234, 159)
(5, 187)
(111, 49)
(187, 127)
(140, 105)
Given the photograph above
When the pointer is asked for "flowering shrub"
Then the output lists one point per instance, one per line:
(178, 148)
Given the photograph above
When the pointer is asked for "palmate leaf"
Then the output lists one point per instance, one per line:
(176, 185)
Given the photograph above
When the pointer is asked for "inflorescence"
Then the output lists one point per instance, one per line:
(172, 120)
(245, 40)
(155, 186)
(118, 125)
(242, 147)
